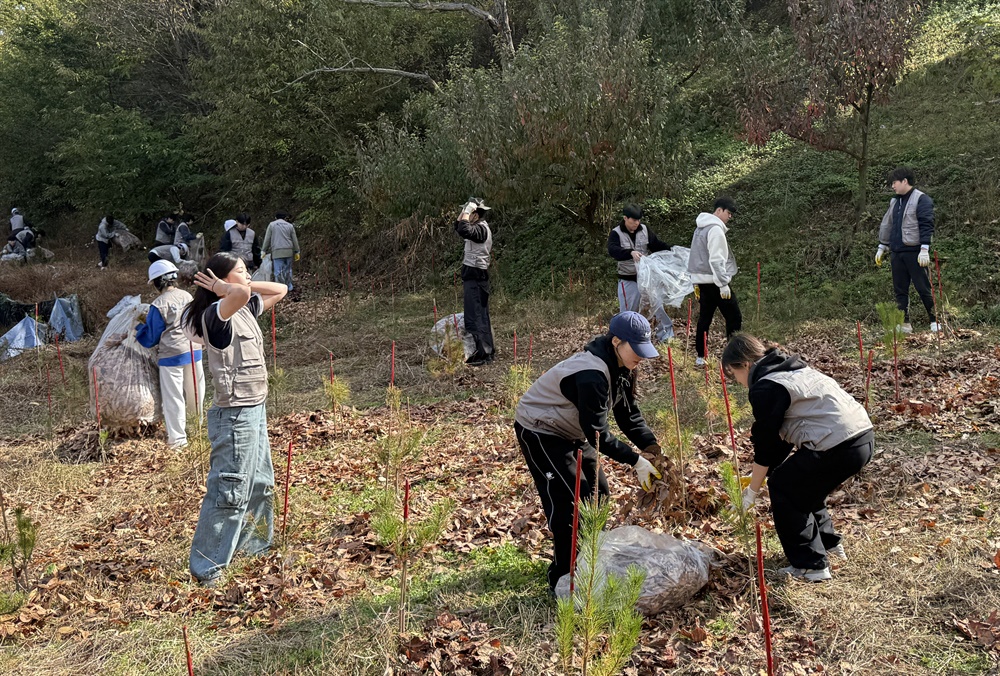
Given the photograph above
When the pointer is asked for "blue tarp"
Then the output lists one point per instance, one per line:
(24, 336)
(66, 319)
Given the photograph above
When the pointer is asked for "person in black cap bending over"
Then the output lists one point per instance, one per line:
(567, 409)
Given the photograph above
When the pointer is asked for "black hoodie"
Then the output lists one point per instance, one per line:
(588, 391)
(770, 401)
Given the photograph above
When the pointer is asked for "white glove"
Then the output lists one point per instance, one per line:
(725, 293)
(469, 208)
(924, 257)
(645, 471)
(880, 253)
(749, 495)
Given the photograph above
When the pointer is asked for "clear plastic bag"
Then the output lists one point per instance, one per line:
(447, 328)
(265, 273)
(125, 371)
(675, 569)
(66, 319)
(663, 278)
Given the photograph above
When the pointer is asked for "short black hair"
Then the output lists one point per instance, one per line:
(283, 215)
(901, 174)
(726, 203)
(243, 218)
(632, 211)
(109, 218)
(170, 217)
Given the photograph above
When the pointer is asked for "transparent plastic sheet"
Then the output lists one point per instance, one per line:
(675, 569)
(66, 318)
(663, 278)
(265, 273)
(126, 372)
(126, 240)
(24, 336)
(446, 328)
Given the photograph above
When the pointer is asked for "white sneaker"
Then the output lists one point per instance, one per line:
(700, 361)
(837, 552)
(935, 327)
(905, 328)
(807, 574)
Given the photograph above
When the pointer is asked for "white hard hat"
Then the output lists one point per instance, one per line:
(14, 212)
(230, 224)
(160, 268)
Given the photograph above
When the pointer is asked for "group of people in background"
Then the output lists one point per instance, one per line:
(22, 240)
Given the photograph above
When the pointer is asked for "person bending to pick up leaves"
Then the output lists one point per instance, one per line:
(905, 233)
(566, 409)
(472, 227)
(798, 408)
(237, 512)
(712, 267)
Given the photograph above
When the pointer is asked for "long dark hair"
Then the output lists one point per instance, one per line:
(221, 264)
(743, 350)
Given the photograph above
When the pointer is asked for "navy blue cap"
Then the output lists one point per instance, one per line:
(634, 329)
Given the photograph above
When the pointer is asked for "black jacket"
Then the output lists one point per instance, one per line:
(769, 402)
(588, 391)
(620, 253)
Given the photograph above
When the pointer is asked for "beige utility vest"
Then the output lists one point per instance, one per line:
(910, 226)
(171, 304)
(627, 268)
(477, 254)
(822, 415)
(239, 372)
(544, 408)
(242, 244)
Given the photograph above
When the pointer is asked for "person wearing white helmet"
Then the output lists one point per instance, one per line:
(16, 220)
(242, 241)
(169, 252)
(182, 384)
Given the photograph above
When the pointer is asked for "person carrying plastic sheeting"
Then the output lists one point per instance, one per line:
(282, 243)
(473, 228)
(627, 243)
(798, 408)
(242, 241)
(182, 389)
(107, 230)
(237, 512)
(712, 267)
(566, 410)
(168, 252)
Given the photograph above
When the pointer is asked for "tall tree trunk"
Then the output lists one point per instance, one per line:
(505, 36)
(864, 161)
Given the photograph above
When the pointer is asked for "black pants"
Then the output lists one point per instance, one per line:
(552, 463)
(799, 488)
(476, 297)
(103, 248)
(710, 300)
(905, 269)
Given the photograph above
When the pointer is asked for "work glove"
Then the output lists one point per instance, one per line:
(297, 257)
(880, 254)
(469, 208)
(645, 471)
(697, 292)
(725, 293)
(924, 257)
(749, 495)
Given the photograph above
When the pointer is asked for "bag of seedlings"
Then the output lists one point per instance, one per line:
(451, 329)
(126, 375)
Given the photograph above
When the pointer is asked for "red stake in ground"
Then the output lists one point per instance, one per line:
(576, 523)
(288, 484)
(763, 603)
(331, 368)
(624, 297)
(187, 651)
(729, 418)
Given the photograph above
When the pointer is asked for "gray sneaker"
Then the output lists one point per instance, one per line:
(837, 552)
(807, 574)
(905, 328)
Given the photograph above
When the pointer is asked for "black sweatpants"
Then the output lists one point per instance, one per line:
(103, 248)
(476, 297)
(799, 488)
(552, 463)
(905, 269)
(710, 300)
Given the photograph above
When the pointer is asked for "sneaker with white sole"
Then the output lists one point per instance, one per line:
(935, 327)
(837, 552)
(905, 328)
(700, 361)
(807, 574)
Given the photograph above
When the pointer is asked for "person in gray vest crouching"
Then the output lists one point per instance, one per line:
(242, 241)
(712, 267)
(566, 409)
(906, 231)
(798, 408)
(237, 512)
(473, 228)
(627, 243)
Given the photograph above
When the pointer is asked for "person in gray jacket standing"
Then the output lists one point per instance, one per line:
(906, 231)
(712, 267)
(282, 243)
(473, 228)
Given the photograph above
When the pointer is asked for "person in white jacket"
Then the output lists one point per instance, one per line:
(712, 267)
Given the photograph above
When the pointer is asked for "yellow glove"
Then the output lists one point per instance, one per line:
(697, 292)
(880, 254)
(745, 482)
(297, 257)
(645, 471)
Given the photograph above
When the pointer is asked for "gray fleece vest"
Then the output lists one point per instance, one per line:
(171, 304)
(477, 254)
(545, 410)
(165, 252)
(242, 245)
(698, 261)
(239, 372)
(627, 268)
(911, 228)
(822, 415)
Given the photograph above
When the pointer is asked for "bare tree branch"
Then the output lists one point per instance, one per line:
(436, 7)
(348, 68)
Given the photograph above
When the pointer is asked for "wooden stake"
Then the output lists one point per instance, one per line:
(624, 297)
(576, 522)
(331, 368)
(763, 602)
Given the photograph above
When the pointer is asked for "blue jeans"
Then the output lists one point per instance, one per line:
(237, 512)
(628, 299)
(282, 268)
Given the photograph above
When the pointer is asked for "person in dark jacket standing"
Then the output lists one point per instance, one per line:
(566, 410)
(798, 408)
(906, 232)
(473, 228)
(627, 243)
(166, 229)
(242, 241)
